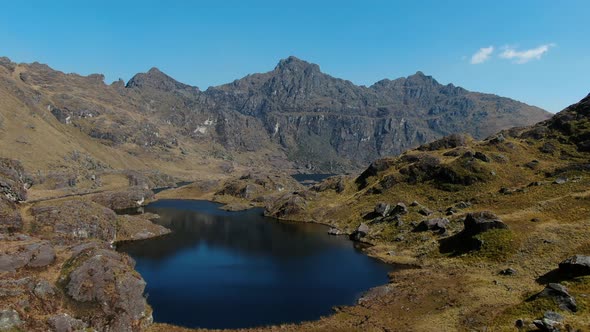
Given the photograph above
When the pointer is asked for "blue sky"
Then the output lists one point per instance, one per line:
(534, 51)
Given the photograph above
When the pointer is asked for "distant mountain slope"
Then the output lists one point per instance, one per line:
(293, 116)
(319, 119)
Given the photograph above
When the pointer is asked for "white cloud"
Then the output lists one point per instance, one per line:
(525, 56)
(482, 55)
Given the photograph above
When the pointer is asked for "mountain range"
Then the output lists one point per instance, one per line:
(293, 117)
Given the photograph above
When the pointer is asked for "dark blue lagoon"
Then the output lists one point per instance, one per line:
(222, 269)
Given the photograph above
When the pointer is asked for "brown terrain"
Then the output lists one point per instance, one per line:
(497, 230)
(484, 223)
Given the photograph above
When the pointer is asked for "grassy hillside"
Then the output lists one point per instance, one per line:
(535, 179)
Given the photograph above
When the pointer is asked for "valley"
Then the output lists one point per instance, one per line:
(478, 197)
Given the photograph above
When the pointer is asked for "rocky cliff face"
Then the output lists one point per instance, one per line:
(293, 115)
(328, 124)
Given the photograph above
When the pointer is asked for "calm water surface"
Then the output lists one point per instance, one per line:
(223, 269)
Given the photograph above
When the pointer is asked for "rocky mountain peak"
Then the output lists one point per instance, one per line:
(420, 78)
(155, 71)
(293, 64)
(156, 79)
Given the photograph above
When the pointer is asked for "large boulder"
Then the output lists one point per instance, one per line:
(398, 209)
(36, 255)
(578, 265)
(360, 232)
(550, 322)
(382, 209)
(74, 220)
(479, 222)
(106, 280)
(560, 295)
(467, 240)
(435, 224)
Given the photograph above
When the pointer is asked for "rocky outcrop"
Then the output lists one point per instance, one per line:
(361, 232)
(10, 218)
(131, 228)
(467, 240)
(35, 254)
(438, 225)
(336, 183)
(374, 169)
(577, 265)
(65, 323)
(572, 125)
(479, 222)
(13, 180)
(71, 221)
(550, 322)
(447, 142)
(382, 209)
(294, 113)
(286, 206)
(123, 199)
(104, 279)
(256, 186)
(560, 295)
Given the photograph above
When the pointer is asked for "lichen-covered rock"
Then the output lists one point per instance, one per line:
(42, 254)
(106, 280)
(9, 320)
(36, 254)
(44, 289)
(74, 220)
(65, 323)
(15, 287)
